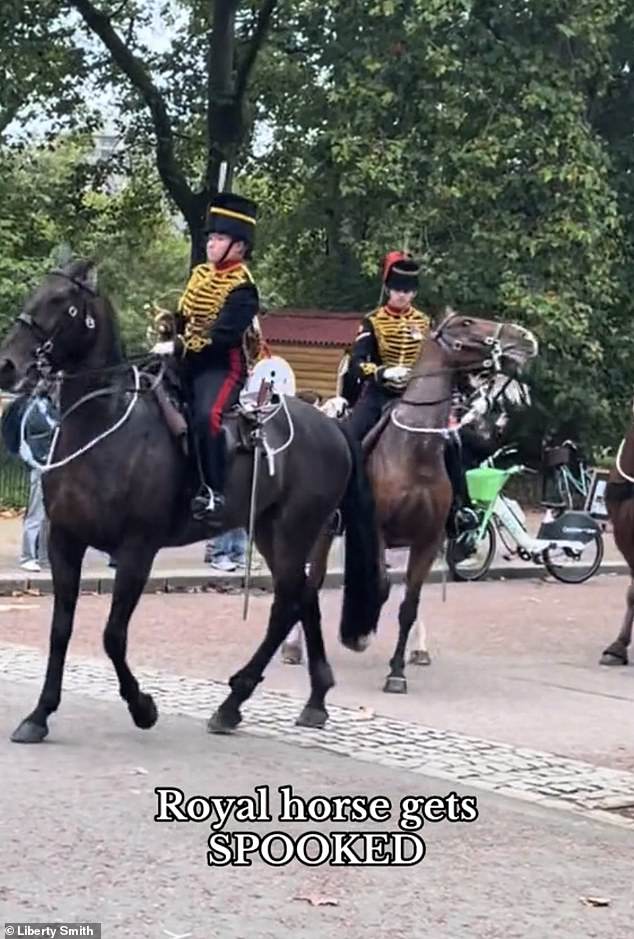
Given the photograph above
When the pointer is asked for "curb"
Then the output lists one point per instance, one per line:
(179, 582)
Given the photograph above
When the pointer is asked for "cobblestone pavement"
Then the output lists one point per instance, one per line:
(531, 775)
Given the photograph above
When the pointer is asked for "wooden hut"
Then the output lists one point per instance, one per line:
(313, 342)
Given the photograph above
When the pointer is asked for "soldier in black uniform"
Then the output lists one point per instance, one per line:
(215, 323)
(388, 344)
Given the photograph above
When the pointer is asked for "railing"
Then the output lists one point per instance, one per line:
(14, 475)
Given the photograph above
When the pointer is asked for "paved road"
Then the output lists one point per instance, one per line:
(514, 702)
(79, 842)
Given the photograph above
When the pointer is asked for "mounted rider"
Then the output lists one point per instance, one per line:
(388, 343)
(216, 330)
(387, 347)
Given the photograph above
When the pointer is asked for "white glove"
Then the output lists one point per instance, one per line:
(163, 348)
(397, 374)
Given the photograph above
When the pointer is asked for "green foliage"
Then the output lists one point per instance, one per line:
(469, 133)
(57, 197)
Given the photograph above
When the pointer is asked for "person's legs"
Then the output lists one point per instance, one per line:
(366, 411)
(33, 520)
(238, 546)
(214, 392)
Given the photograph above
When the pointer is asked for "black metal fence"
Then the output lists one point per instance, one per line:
(14, 481)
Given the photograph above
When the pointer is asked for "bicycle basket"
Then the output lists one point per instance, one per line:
(557, 456)
(485, 483)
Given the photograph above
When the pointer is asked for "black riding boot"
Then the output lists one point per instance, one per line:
(462, 518)
(209, 502)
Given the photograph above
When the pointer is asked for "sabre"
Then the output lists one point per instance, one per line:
(252, 508)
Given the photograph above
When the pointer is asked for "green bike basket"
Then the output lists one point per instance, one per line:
(485, 484)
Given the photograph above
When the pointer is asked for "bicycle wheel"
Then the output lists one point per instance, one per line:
(569, 570)
(479, 558)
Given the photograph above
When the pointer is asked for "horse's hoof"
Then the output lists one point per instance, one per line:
(29, 732)
(223, 723)
(420, 657)
(144, 711)
(291, 655)
(395, 684)
(358, 644)
(613, 658)
(312, 717)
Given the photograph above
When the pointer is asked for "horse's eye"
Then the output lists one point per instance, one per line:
(467, 322)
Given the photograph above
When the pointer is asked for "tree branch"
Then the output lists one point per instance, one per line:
(173, 178)
(257, 40)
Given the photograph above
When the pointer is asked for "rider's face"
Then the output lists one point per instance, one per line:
(217, 245)
(400, 299)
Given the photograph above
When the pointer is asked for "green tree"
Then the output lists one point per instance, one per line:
(58, 198)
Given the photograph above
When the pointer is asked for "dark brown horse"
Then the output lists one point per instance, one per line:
(619, 499)
(119, 482)
(407, 467)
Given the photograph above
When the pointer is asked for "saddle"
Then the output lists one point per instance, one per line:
(237, 426)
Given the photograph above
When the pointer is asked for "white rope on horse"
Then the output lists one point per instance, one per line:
(272, 452)
(45, 467)
(620, 471)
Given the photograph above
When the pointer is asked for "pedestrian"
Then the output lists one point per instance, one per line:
(227, 552)
(38, 421)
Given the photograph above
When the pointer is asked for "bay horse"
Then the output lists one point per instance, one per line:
(120, 482)
(619, 501)
(406, 462)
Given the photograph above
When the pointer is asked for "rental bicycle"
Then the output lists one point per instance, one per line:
(569, 544)
(566, 475)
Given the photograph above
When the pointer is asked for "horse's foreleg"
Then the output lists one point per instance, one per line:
(321, 677)
(421, 558)
(134, 563)
(616, 653)
(66, 555)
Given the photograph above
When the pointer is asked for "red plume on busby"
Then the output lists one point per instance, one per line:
(400, 271)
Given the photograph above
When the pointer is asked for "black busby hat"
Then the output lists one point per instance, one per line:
(232, 215)
(400, 271)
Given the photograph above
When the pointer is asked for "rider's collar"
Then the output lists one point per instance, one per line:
(225, 266)
(392, 312)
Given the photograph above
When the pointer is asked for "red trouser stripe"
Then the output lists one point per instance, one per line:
(228, 385)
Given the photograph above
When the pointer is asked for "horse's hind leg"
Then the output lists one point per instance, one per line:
(134, 562)
(317, 567)
(616, 653)
(314, 713)
(66, 555)
(420, 560)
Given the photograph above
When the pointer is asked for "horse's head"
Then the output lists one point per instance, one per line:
(56, 327)
(475, 345)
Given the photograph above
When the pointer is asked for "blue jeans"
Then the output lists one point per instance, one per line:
(232, 544)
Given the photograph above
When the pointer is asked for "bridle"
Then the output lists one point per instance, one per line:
(491, 364)
(44, 350)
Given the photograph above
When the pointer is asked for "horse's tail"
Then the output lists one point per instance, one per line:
(361, 591)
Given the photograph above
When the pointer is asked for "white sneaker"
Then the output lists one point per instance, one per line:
(32, 566)
(223, 563)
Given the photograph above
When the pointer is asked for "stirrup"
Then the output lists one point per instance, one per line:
(207, 503)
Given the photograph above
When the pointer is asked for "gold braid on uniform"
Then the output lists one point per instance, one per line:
(204, 298)
(399, 337)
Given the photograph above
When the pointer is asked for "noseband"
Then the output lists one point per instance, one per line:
(493, 342)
